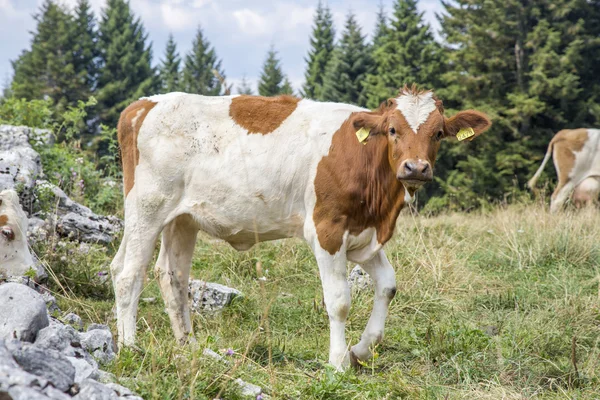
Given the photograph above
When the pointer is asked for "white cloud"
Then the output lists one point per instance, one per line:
(177, 18)
(251, 23)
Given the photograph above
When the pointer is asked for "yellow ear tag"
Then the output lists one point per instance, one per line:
(362, 134)
(465, 133)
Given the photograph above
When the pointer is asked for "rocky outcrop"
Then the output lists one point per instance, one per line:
(42, 358)
(20, 164)
(21, 170)
(15, 257)
(210, 297)
(78, 222)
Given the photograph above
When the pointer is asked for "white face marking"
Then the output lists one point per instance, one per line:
(416, 108)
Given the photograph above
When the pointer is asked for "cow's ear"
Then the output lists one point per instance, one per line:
(467, 124)
(374, 123)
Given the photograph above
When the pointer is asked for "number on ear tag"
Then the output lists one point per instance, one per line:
(465, 133)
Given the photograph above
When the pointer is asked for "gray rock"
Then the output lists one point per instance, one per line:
(20, 164)
(99, 342)
(6, 358)
(10, 376)
(78, 222)
(121, 391)
(24, 393)
(47, 363)
(55, 394)
(89, 389)
(248, 389)
(210, 297)
(92, 327)
(83, 369)
(59, 337)
(22, 312)
(51, 303)
(74, 320)
(359, 280)
(15, 257)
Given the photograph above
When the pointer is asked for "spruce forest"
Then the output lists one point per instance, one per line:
(531, 65)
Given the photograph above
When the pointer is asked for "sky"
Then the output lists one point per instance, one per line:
(240, 30)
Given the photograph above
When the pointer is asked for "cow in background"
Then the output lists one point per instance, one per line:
(247, 169)
(576, 156)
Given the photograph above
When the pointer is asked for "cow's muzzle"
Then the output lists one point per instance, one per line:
(415, 173)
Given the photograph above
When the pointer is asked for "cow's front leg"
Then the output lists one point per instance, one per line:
(332, 268)
(384, 277)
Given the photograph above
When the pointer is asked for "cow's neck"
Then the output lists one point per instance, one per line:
(356, 189)
(382, 193)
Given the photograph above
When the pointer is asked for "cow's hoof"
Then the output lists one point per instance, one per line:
(354, 361)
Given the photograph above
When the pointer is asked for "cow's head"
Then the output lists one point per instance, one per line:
(414, 125)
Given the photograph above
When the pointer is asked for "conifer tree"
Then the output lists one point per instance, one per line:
(406, 53)
(126, 73)
(320, 53)
(198, 76)
(244, 87)
(169, 70)
(85, 50)
(347, 70)
(381, 26)
(47, 69)
(272, 80)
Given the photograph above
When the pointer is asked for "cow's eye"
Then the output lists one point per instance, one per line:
(439, 135)
(392, 130)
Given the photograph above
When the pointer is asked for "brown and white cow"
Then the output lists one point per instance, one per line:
(15, 257)
(576, 156)
(247, 169)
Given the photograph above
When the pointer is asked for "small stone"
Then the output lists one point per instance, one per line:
(92, 327)
(210, 297)
(89, 389)
(212, 354)
(50, 300)
(149, 300)
(248, 389)
(55, 394)
(83, 369)
(74, 320)
(359, 280)
(121, 391)
(99, 342)
(22, 312)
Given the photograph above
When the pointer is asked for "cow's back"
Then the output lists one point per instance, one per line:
(241, 168)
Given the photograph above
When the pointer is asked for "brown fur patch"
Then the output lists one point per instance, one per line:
(565, 144)
(261, 114)
(356, 189)
(130, 122)
(3, 219)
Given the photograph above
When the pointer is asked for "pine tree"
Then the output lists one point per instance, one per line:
(322, 46)
(85, 50)
(126, 72)
(381, 26)
(347, 70)
(169, 71)
(272, 80)
(528, 70)
(48, 68)
(406, 53)
(287, 88)
(198, 76)
(244, 87)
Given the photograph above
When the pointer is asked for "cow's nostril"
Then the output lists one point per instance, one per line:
(425, 168)
(409, 167)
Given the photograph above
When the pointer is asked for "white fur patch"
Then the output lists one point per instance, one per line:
(416, 108)
(162, 97)
(408, 199)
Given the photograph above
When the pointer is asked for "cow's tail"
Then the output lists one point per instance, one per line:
(531, 183)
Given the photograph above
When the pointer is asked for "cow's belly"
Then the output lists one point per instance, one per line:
(363, 247)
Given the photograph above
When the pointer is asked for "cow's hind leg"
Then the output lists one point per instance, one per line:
(560, 195)
(384, 277)
(142, 227)
(173, 272)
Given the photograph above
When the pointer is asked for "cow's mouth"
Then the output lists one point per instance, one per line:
(414, 183)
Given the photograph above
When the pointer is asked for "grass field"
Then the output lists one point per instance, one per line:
(497, 305)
